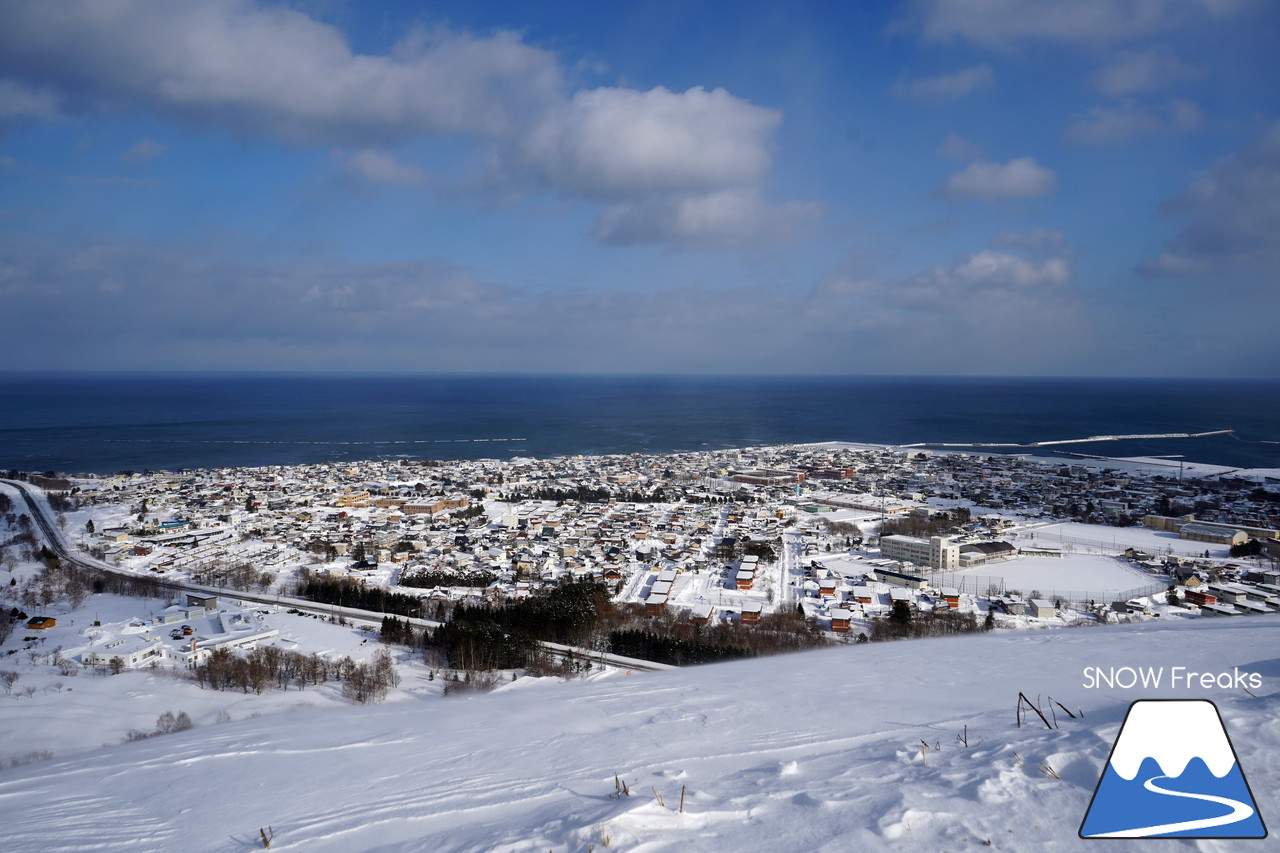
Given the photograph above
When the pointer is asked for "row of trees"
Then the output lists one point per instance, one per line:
(939, 524)
(270, 667)
(588, 495)
(503, 636)
(786, 630)
(903, 623)
(345, 592)
(1252, 548)
(433, 579)
(646, 644)
(239, 575)
(483, 637)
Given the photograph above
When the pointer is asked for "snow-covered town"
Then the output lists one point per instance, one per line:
(196, 625)
(837, 532)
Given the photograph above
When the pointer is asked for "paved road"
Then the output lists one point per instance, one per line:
(66, 551)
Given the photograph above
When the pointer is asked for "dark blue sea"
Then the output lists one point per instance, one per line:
(107, 422)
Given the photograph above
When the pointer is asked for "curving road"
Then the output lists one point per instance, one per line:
(65, 551)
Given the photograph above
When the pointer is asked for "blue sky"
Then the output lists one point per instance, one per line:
(989, 187)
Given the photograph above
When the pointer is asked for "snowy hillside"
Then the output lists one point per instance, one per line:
(819, 751)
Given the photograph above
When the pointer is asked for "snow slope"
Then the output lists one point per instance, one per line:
(813, 752)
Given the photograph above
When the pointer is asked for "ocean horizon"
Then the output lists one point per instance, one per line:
(103, 422)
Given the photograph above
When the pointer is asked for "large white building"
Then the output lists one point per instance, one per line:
(937, 552)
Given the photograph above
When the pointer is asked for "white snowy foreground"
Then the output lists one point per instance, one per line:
(812, 752)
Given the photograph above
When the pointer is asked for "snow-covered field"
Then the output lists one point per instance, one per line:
(821, 751)
(49, 711)
(1081, 572)
(1099, 538)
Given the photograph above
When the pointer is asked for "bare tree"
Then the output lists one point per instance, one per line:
(8, 678)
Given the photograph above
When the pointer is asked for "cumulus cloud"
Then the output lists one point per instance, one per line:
(1129, 120)
(275, 73)
(947, 86)
(1008, 23)
(619, 141)
(1234, 212)
(1139, 72)
(271, 71)
(677, 168)
(380, 168)
(994, 182)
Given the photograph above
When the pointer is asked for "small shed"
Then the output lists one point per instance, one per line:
(1013, 606)
(1194, 596)
(863, 594)
(1040, 608)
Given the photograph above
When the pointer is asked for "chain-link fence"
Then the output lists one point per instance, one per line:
(990, 586)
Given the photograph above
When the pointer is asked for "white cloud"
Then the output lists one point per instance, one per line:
(732, 218)
(21, 101)
(1007, 23)
(990, 269)
(1170, 264)
(274, 72)
(1139, 72)
(381, 168)
(619, 141)
(992, 182)
(1129, 120)
(143, 151)
(946, 86)
(1234, 208)
(953, 147)
(965, 315)
(209, 305)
